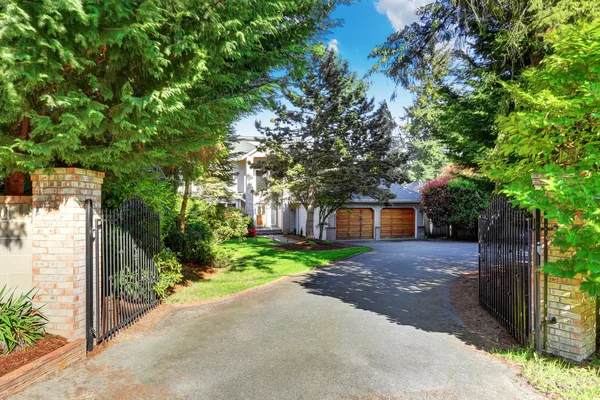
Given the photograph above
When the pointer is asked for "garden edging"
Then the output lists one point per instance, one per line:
(30, 373)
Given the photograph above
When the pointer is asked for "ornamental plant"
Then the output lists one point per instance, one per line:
(435, 201)
(554, 131)
(21, 324)
(169, 271)
(468, 198)
(227, 223)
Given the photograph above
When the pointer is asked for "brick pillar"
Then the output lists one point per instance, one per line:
(58, 244)
(573, 335)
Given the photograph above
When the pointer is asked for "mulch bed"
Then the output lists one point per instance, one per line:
(464, 295)
(318, 245)
(193, 272)
(18, 358)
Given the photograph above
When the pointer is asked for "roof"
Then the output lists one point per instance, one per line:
(244, 147)
(404, 194)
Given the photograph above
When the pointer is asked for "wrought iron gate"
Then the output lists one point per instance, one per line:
(121, 272)
(507, 258)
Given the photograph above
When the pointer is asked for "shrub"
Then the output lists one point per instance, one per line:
(21, 324)
(169, 271)
(467, 199)
(251, 228)
(436, 201)
(195, 244)
(223, 258)
(227, 223)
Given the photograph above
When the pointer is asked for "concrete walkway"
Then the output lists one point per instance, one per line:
(378, 326)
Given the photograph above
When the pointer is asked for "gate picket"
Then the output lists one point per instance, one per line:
(123, 267)
(505, 264)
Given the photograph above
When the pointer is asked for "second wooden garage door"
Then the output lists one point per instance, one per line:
(354, 223)
(397, 223)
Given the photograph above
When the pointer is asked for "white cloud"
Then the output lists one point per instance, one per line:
(333, 45)
(400, 12)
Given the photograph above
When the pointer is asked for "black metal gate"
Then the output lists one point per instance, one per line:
(507, 257)
(121, 272)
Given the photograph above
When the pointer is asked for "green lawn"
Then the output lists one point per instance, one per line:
(256, 262)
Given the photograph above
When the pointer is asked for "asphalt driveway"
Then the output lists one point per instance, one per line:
(377, 326)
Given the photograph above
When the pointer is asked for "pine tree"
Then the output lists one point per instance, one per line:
(120, 85)
(330, 143)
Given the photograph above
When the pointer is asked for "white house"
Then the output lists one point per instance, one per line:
(362, 218)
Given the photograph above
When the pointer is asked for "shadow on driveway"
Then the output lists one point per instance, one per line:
(407, 282)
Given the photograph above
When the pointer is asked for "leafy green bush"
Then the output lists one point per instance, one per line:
(467, 199)
(195, 244)
(227, 223)
(169, 271)
(21, 324)
(223, 258)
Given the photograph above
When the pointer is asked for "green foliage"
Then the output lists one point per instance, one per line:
(152, 186)
(223, 257)
(553, 131)
(331, 143)
(455, 201)
(119, 85)
(195, 244)
(455, 58)
(467, 199)
(21, 325)
(207, 225)
(227, 223)
(169, 271)
(312, 243)
(426, 159)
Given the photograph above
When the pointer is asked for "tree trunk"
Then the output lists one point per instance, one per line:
(15, 182)
(310, 213)
(321, 225)
(186, 195)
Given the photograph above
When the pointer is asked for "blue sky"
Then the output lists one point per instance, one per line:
(366, 24)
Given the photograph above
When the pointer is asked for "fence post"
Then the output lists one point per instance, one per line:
(89, 275)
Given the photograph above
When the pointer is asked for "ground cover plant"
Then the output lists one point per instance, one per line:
(256, 261)
(21, 324)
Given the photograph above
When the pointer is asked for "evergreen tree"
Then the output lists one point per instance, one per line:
(119, 85)
(455, 58)
(330, 142)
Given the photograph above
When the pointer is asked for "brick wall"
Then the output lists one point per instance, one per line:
(15, 243)
(58, 244)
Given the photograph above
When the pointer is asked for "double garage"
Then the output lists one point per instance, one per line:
(360, 223)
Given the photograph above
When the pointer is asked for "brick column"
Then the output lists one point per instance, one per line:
(58, 244)
(573, 336)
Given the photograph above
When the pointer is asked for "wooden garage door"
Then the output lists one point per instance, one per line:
(354, 223)
(397, 223)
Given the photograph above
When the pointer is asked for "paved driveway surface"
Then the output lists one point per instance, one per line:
(378, 326)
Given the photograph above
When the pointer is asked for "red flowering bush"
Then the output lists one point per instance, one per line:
(435, 201)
